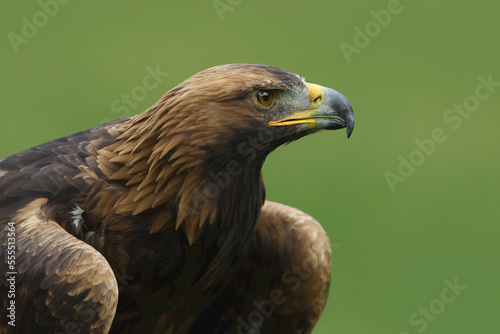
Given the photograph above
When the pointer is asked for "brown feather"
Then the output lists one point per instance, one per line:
(284, 278)
(66, 272)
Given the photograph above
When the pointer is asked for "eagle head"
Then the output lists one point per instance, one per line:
(222, 121)
(234, 104)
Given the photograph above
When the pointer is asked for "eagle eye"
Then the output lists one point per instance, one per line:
(266, 98)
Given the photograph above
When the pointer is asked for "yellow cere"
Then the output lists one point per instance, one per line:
(316, 97)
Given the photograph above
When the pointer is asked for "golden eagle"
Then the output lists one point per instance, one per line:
(158, 223)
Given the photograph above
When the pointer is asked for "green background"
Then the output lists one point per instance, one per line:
(392, 250)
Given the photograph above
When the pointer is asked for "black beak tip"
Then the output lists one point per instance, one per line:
(340, 106)
(350, 123)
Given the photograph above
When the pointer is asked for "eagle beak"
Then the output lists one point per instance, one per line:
(329, 110)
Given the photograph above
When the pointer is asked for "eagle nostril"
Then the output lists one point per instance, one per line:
(318, 100)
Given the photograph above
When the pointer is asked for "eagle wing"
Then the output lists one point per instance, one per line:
(56, 281)
(65, 283)
(284, 280)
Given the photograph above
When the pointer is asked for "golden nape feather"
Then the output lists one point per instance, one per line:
(158, 223)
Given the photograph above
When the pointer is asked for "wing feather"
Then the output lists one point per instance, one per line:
(284, 280)
(63, 283)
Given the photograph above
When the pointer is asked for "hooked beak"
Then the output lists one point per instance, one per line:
(329, 110)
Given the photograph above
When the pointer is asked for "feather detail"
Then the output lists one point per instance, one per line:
(76, 215)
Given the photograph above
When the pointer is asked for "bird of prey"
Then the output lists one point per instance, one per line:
(158, 223)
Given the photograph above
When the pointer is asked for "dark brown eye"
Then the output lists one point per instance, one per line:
(265, 98)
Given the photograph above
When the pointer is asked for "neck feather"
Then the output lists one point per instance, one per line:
(166, 165)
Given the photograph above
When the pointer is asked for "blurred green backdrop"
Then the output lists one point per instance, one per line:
(397, 245)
